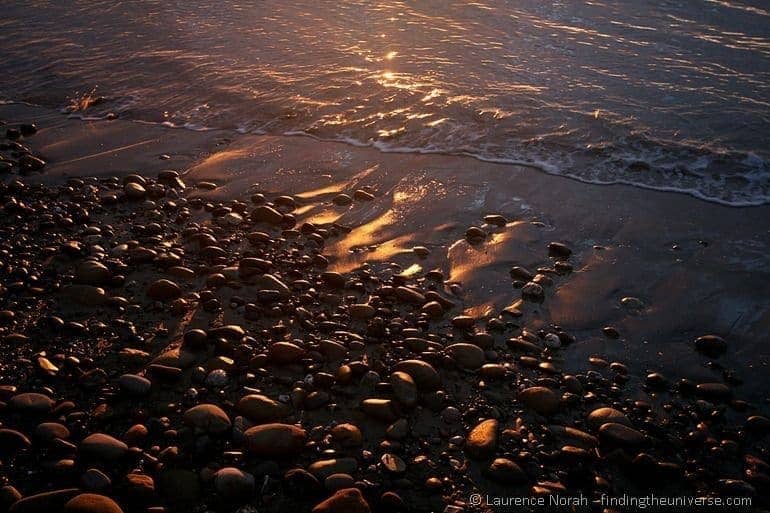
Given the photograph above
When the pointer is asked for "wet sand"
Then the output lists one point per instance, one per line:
(659, 269)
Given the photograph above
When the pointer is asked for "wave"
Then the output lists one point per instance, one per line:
(734, 179)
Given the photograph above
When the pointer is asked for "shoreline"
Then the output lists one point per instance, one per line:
(639, 227)
(630, 286)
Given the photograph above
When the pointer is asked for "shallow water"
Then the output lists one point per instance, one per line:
(671, 95)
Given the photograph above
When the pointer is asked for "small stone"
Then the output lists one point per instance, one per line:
(95, 480)
(361, 311)
(342, 200)
(559, 250)
(163, 290)
(134, 191)
(92, 503)
(347, 500)
(423, 373)
(275, 440)
(711, 345)
(324, 468)
(233, 484)
(208, 417)
(467, 356)
(495, 220)
(404, 388)
(347, 435)
(482, 440)
(260, 408)
(601, 416)
(104, 447)
(135, 385)
(620, 434)
(32, 403)
(381, 409)
(93, 273)
(541, 399)
(505, 471)
(285, 352)
(409, 295)
(266, 214)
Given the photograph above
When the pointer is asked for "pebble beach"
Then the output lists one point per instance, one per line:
(219, 322)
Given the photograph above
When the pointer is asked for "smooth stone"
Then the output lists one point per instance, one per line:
(134, 191)
(409, 295)
(604, 415)
(324, 468)
(139, 487)
(338, 481)
(208, 417)
(380, 409)
(347, 500)
(32, 402)
(503, 470)
(482, 440)
(711, 345)
(13, 441)
(347, 435)
(103, 446)
(163, 290)
(285, 352)
(620, 434)
(91, 503)
(266, 214)
(467, 356)
(95, 480)
(93, 273)
(423, 373)
(714, 391)
(558, 249)
(234, 484)
(361, 311)
(541, 399)
(404, 388)
(135, 385)
(85, 295)
(49, 431)
(260, 408)
(275, 440)
(45, 502)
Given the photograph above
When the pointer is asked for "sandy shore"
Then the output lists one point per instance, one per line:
(658, 269)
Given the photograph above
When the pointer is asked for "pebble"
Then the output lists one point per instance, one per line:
(540, 399)
(482, 439)
(347, 500)
(467, 356)
(233, 484)
(404, 388)
(260, 408)
(163, 290)
(620, 434)
(347, 435)
(32, 403)
(604, 415)
(135, 385)
(505, 471)
(103, 447)
(208, 417)
(275, 440)
(91, 503)
(711, 345)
